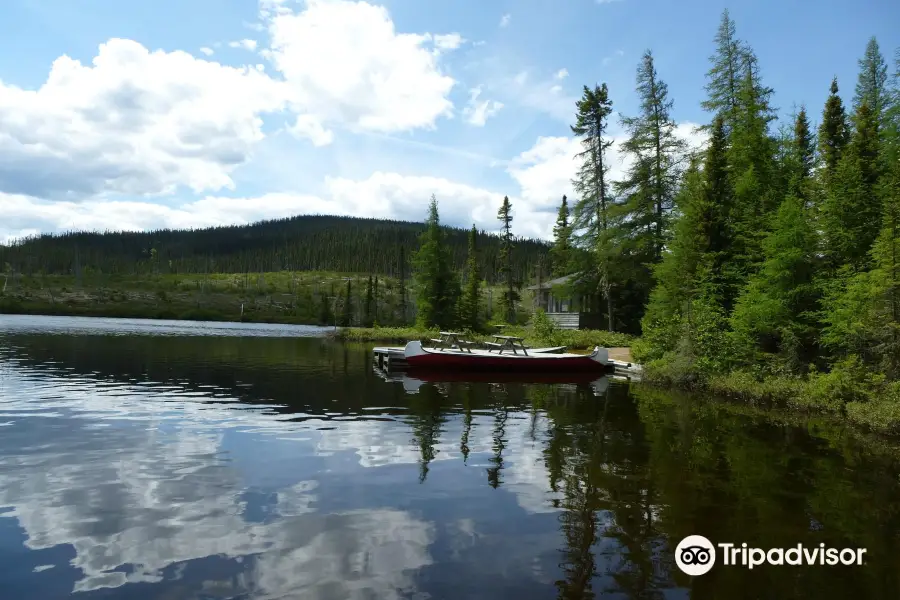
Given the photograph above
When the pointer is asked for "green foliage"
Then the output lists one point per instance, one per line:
(834, 132)
(852, 204)
(871, 85)
(511, 295)
(437, 285)
(775, 313)
(777, 285)
(470, 302)
(801, 160)
(347, 307)
(592, 217)
(303, 243)
(369, 305)
(847, 381)
(862, 311)
(649, 186)
(545, 330)
(724, 75)
(879, 413)
(561, 250)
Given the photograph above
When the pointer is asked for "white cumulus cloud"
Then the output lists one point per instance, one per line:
(133, 121)
(477, 112)
(364, 73)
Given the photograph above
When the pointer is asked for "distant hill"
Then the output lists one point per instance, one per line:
(303, 243)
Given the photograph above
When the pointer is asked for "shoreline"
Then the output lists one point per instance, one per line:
(869, 409)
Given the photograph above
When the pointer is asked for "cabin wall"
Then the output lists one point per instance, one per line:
(576, 320)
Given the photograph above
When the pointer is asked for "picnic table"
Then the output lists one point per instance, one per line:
(451, 339)
(507, 342)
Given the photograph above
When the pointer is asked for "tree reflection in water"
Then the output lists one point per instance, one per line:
(629, 473)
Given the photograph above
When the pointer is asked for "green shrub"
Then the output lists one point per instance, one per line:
(544, 329)
(848, 381)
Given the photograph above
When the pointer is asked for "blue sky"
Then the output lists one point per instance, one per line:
(174, 113)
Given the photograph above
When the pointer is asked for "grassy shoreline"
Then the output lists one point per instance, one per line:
(849, 392)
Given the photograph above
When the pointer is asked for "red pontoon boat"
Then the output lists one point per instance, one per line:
(472, 359)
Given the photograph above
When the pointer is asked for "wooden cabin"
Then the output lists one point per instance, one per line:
(562, 308)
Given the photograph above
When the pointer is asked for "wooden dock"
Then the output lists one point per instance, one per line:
(389, 359)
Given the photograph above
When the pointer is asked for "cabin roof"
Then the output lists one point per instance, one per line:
(546, 285)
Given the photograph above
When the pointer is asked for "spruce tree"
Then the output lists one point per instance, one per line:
(367, 305)
(775, 313)
(375, 299)
(833, 133)
(863, 318)
(804, 156)
(325, 316)
(649, 186)
(470, 302)
(347, 311)
(685, 314)
(592, 211)
(437, 286)
(716, 217)
(510, 296)
(401, 284)
(752, 172)
(723, 78)
(675, 275)
(871, 84)
(561, 250)
(852, 204)
(892, 117)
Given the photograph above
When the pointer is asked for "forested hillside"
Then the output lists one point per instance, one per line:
(302, 243)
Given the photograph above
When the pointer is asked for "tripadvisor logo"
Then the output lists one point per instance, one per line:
(696, 555)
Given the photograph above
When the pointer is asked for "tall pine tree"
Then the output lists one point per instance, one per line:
(437, 286)
(852, 204)
(347, 307)
(510, 296)
(401, 285)
(561, 250)
(752, 173)
(592, 211)
(863, 318)
(693, 272)
(724, 77)
(833, 133)
(368, 305)
(871, 86)
(803, 156)
(470, 302)
(648, 187)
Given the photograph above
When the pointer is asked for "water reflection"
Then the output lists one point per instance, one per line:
(269, 467)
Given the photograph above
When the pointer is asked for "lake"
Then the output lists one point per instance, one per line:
(176, 460)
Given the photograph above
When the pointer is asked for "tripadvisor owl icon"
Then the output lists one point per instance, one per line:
(695, 555)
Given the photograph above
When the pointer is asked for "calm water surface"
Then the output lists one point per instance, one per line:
(173, 460)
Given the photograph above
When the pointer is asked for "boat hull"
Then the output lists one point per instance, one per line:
(481, 360)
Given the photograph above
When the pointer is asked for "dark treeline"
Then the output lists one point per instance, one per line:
(302, 243)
